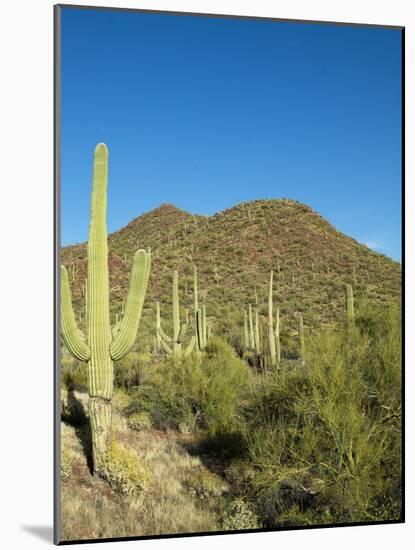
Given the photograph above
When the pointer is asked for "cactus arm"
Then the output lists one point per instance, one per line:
(182, 333)
(166, 347)
(72, 335)
(190, 347)
(125, 337)
(165, 337)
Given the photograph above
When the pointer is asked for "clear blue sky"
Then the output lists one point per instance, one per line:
(205, 113)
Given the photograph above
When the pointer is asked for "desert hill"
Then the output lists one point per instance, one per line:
(234, 251)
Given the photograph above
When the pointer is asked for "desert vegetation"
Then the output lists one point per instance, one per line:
(255, 383)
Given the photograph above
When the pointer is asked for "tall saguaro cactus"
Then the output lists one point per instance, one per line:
(251, 329)
(277, 338)
(302, 341)
(158, 326)
(349, 305)
(201, 328)
(246, 335)
(102, 345)
(173, 346)
(271, 336)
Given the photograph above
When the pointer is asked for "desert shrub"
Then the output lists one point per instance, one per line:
(239, 516)
(325, 440)
(206, 393)
(124, 471)
(205, 484)
(140, 421)
(74, 374)
(240, 474)
(226, 386)
(129, 371)
(66, 464)
(166, 409)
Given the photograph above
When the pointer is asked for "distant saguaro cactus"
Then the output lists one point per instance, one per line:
(173, 346)
(271, 336)
(257, 338)
(158, 327)
(251, 329)
(277, 338)
(201, 328)
(349, 304)
(246, 334)
(103, 346)
(301, 336)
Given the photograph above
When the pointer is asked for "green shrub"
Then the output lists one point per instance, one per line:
(205, 484)
(124, 471)
(239, 516)
(66, 464)
(325, 440)
(205, 393)
(240, 474)
(129, 372)
(140, 421)
(74, 373)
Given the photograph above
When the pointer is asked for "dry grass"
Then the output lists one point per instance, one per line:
(90, 509)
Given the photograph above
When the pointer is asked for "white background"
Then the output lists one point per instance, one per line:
(26, 300)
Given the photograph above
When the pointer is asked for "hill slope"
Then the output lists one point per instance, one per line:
(234, 251)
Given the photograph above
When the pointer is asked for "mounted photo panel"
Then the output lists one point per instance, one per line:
(228, 274)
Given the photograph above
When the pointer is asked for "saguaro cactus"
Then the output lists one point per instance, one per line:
(271, 337)
(251, 329)
(246, 335)
(158, 327)
(257, 337)
(102, 346)
(277, 338)
(173, 346)
(201, 328)
(301, 336)
(349, 304)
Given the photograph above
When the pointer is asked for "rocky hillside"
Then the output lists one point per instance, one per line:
(234, 252)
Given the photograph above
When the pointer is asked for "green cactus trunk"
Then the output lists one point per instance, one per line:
(302, 341)
(199, 342)
(251, 330)
(158, 326)
(257, 337)
(173, 346)
(103, 346)
(246, 334)
(177, 344)
(277, 338)
(271, 337)
(349, 305)
(201, 329)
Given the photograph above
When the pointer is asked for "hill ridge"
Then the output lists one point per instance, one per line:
(234, 251)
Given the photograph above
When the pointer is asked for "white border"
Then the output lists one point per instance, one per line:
(26, 267)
